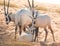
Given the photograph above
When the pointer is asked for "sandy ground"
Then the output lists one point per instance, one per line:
(7, 31)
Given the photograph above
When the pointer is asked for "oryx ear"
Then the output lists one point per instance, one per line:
(10, 13)
(31, 17)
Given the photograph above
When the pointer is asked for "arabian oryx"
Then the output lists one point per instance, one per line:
(40, 20)
(20, 18)
(43, 21)
(11, 17)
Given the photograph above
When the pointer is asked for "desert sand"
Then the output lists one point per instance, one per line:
(7, 31)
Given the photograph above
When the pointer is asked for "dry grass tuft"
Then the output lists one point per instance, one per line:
(57, 10)
(41, 8)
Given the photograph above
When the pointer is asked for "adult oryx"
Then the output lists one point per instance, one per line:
(20, 18)
(43, 21)
(11, 17)
(40, 20)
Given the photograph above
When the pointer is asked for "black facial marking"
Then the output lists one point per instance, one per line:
(5, 14)
(9, 18)
(6, 19)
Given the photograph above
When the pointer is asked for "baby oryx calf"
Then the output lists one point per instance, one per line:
(43, 21)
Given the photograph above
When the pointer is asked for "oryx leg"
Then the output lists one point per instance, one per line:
(22, 29)
(52, 32)
(46, 33)
(15, 31)
(36, 34)
(19, 29)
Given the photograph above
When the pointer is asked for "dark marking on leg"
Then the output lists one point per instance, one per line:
(15, 31)
(46, 33)
(36, 34)
(20, 30)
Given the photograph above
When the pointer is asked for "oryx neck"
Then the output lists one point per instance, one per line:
(12, 16)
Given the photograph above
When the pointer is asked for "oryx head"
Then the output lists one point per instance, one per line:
(34, 12)
(6, 13)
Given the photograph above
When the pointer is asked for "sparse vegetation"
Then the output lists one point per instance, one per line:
(57, 10)
(55, 24)
(41, 8)
(38, 8)
(11, 4)
(45, 9)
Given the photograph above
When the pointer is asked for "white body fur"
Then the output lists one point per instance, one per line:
(22, 18)
(42, 21)
(21, 15)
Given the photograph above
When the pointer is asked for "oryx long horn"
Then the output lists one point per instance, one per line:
(4, 8)
(29, 3)
(8, 6)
